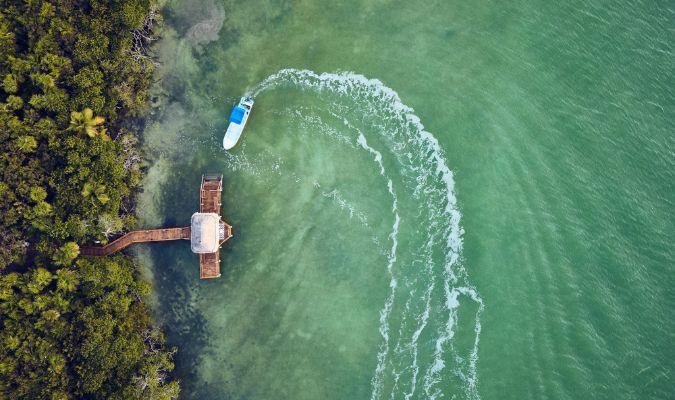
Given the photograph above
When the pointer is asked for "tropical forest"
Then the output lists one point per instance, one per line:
(74, 78)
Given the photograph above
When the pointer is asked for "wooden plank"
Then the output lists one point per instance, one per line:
(149, 235)
(209, 265)
(209, 202)
(209, 196)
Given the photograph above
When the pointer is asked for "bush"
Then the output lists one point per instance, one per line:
(72, 327)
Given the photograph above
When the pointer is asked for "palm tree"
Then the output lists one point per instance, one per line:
(66, 280)
(66, 253)
(26, 143)
(86, 122)
(97, 189)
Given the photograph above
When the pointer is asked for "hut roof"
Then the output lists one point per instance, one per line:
(204, 232)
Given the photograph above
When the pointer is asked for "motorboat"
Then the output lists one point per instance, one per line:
(238, 118)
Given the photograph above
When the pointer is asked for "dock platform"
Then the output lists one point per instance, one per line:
(209, 202)
(216, 234)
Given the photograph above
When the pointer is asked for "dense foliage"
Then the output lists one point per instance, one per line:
(71, 72)
(80, 331)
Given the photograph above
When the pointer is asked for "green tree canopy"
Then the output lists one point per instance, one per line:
(73, 327)
(86, 122)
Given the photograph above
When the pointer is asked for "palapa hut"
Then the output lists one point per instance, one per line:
(207, 231)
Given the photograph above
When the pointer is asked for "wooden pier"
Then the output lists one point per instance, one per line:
(207, 232)
(149, 235)
(209, 202)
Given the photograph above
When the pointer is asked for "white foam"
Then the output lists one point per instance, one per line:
(416, 335)
(419, 151)
(347, 206)
(386, 310)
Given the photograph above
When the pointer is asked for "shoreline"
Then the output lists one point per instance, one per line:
(70, 131)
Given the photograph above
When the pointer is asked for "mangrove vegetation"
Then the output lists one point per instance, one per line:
(74, 76)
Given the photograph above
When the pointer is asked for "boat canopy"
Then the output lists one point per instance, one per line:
(237, 115)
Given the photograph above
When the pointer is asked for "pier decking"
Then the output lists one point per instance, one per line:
(209, 202)
(149, 235)
(207, 232)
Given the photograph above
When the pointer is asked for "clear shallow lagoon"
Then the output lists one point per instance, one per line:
(481, 207)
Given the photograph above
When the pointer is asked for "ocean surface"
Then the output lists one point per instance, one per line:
(432, 199)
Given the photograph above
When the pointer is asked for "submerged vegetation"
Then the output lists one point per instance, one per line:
(72, 73)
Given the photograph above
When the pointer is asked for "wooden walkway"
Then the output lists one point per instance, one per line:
(209, 196)
(209, 202)
(150, 235)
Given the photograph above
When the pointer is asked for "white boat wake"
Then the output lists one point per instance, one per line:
(429, 284)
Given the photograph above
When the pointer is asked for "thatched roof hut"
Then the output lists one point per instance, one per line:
(204, 237)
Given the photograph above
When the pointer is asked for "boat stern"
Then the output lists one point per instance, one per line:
(247, 102)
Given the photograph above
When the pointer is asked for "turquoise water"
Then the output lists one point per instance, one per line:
(431, 200)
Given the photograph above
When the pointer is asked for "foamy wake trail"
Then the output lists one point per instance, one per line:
(425, 176)
(344, 204)
(384, 313)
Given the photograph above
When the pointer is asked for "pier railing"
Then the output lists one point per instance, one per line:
(149, 235)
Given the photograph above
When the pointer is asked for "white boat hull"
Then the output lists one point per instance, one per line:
(232, 135)
(238, 121)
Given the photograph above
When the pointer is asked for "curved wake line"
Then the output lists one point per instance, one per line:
(389, 303)
(455, 279)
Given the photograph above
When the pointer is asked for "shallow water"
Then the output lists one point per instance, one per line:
(481, 209)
